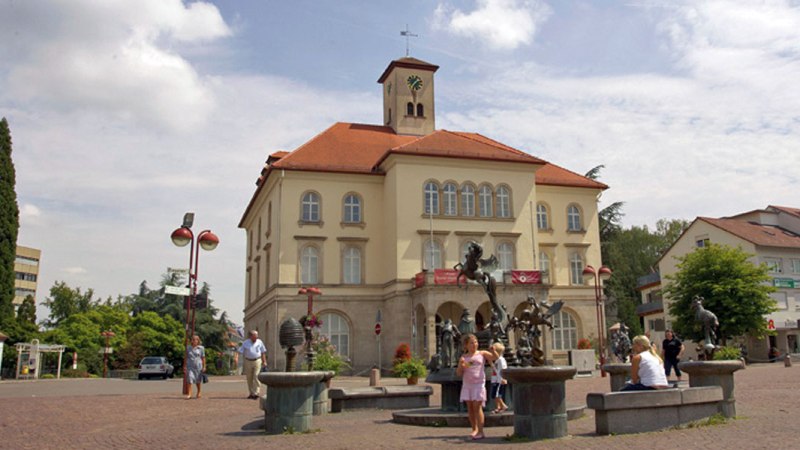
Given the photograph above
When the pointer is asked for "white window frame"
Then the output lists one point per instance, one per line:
(574, 219)
(433, 254)
(505, 255)
(774, 265)
(450, 199)
(351, 265)
(468, 200)
(503, 196)
(576, 269)
(485, 201)
(337, 329)
(310, 207)
(565, 331)
(352, 208)
(310, 256)
(542, 216)
(431, 198)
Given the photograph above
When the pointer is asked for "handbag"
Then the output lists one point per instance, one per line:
(204, 377)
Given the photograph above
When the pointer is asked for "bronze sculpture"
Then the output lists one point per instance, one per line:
(621, 343)
(710, 322)
(450, 335)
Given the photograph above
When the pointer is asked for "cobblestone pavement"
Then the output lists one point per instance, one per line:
(767, 402)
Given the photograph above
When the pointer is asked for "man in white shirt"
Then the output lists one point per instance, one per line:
(255, 354)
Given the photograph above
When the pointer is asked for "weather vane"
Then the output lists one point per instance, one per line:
(407, 34)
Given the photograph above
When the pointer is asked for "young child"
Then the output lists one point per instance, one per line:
(473, 389)
(498, 382)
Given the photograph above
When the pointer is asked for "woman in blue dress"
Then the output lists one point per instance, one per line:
(195, 365)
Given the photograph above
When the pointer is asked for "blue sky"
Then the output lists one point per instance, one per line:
(126, 114)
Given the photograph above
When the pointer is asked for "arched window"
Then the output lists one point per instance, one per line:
(575, 269)
(485, 201)
(352, 208)
(503, 202)
(309, 265)
(505, 256)
(542, 217)
(420, 110)
(467, 200)
(565, 331)
(433, 255)
(351, 266)
(574, 218)
(337, 330)
(310, 207)
(409, 109)
(431, 198)
(449, 199)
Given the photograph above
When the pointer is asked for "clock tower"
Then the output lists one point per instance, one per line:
(408, 96)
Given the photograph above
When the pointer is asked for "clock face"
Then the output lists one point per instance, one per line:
(414, 83)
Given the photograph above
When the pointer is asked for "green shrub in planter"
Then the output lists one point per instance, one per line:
(414, 367)
(727, 353)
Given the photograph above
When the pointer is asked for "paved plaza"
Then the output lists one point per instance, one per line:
(125, 414)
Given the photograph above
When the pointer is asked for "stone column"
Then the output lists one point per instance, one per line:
(290, 400)
(619, 374)
(715, 373)
(540, 408)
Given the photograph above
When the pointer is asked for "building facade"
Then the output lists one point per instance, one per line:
(26, 272)
(376, 216)
(772, 236)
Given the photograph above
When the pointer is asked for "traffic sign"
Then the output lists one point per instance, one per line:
(377, 329)
(174, 270)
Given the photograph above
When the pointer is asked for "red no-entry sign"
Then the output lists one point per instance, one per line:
(377, 329)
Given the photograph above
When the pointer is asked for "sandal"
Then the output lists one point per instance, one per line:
(496, 410)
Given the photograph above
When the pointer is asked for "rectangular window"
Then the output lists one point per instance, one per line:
(24, 276)
(780, 300)
(795, 266)
(774, 265)
(22, 292)
(702, 242)
(26, 260)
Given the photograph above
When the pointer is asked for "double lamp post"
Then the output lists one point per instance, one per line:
(598, 277)
(208, 241)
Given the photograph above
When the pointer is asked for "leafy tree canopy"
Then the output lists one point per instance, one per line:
(65, 301)
(9, 226)
(733, 288)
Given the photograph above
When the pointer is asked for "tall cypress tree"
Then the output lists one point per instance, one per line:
(9, 225)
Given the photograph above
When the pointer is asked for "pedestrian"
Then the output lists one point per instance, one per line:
(647, 371)
(671, 351)
(195, 365)
(498, 382)
(473, 386)
(255, 356)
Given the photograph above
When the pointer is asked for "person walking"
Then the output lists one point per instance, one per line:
(255, 355)
(195, 365)
(671, 351)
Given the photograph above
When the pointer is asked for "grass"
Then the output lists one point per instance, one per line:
(291, 430)
(513, 438)
(716, 419)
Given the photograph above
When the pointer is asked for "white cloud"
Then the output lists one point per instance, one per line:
(499, 24)
(114, 58)
(74, 270)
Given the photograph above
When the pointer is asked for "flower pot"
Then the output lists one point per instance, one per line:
(412, 380)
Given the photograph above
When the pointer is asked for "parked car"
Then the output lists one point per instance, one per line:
(155, 366)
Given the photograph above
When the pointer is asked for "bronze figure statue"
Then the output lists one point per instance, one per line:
(710, 322)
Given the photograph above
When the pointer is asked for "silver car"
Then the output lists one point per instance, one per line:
(155, 366)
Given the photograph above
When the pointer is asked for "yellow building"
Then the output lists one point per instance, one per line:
(375, 215)
(772, 236)
(26, 271)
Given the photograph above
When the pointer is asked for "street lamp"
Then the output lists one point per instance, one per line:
(182, 237)
(307, 325)
(599, 276)
(108, 335)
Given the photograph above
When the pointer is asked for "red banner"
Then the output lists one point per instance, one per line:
(419, 280)
(444, 276)
(526, 276)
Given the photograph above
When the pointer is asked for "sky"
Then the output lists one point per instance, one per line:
(127, 114)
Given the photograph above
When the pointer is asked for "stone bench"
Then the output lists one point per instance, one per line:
(386, 397)
(641, 411)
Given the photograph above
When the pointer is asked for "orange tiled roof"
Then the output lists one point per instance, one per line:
(763, 235)
(450, 144)
(554, 175)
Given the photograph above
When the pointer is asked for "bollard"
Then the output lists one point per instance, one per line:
(374, 377)
(787, 361)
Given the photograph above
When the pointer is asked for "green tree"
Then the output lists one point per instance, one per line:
(65, 301)
(27, 310)
(9, 225)
(733, 288)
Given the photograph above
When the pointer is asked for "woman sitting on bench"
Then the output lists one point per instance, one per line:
(647, 369)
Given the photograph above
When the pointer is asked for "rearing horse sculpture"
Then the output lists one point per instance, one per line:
(474, 268)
